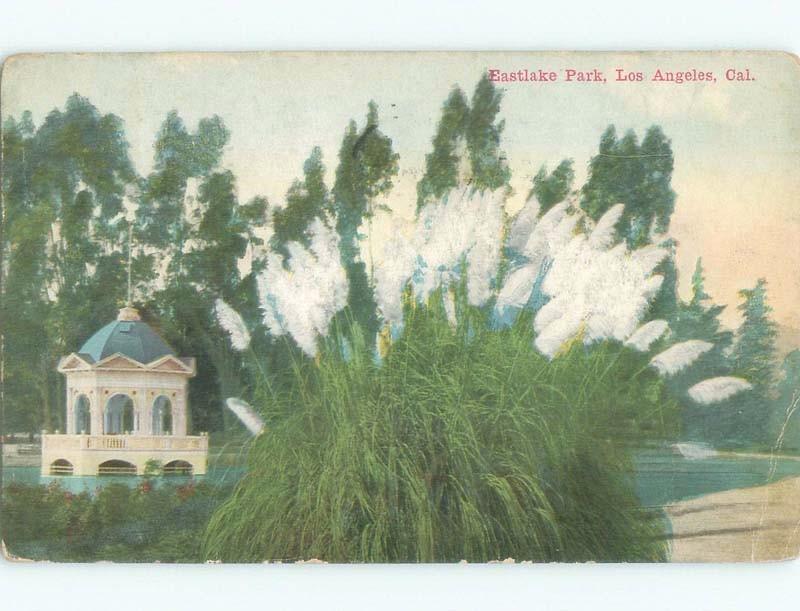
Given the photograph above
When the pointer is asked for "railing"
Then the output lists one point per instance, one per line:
(124, 442)
(57, 469)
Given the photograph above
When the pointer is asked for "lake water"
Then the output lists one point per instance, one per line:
(661, 476)
(219, 475)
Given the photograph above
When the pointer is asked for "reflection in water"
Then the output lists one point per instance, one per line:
(662, 476)
(217, 476)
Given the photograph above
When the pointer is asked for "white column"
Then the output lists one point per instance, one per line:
(97, 404)
(145, 407)
(179, 413)
(70, 411)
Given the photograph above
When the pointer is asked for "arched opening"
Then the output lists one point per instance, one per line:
(61, 467)
(82, 416)
(116, 467)
(162, 416)
(178, 467)
(119, 415)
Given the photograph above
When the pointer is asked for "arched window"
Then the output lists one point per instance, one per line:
(119, 415)
(61, 467)
(116, 467)
(178, 467)
(162, 416)
(82, 416)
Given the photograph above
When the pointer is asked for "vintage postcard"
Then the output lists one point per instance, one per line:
(401, 307)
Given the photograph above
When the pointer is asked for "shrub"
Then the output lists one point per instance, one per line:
(464, 443)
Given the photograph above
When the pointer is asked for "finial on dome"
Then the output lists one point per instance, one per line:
(129, 314)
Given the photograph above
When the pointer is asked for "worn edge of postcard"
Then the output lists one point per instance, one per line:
(765, 502)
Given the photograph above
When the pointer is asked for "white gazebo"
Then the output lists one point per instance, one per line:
(127, 405)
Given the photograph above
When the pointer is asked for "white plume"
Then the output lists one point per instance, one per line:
(604, 232)
(246, 415)
(591, 286)
(523, 224)
(645, 335)
(302, 299)
(450, 307)
(230, 320)
(551, 234)
(463, 228)
(718, 389)
(557, 333)
(394, 273)
(608, 289)
(678, 357)
(648, 257)
(517, 288)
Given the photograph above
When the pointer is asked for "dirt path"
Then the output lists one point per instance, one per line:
(760, 523)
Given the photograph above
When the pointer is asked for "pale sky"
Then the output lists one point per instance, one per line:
(736, 144)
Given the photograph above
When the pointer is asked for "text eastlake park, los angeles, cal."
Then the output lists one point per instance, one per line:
(595, 75)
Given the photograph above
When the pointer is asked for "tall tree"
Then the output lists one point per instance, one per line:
(489, 168)
(754, 351)
(441, 164)
(194, 232)
(753, 358)
(163, 221)
(306, 200)
(367, 166)
(553, 188)
(699, 319)
(467, 134)
(639, 176)
(64, 186)
(785, 419)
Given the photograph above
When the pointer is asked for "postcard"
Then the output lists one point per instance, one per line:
(406, 307)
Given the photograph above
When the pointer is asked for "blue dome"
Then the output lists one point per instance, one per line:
(132, 338)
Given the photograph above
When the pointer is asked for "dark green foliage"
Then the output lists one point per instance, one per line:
(63, 235)
(142, 524)
(753, 358)
(367, 167)
(666, 303)
(179, 156)
(637, 175)
(754, 352)
(441, 164)
(489, 168)
(222, 234)
(463, 444)
(65, 243)
(553, 188)
(470, 129)
(699, 319)
(220, 229)
(784, 428)
(306, 200)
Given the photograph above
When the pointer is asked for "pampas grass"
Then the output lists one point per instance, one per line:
(457, 238)
(715, 390)
(299, 296)
(464, 444)
(246, 415)
(678, 357)
(646, 335)
(233, 324)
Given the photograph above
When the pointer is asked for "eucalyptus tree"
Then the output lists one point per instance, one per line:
(306, 200)
(65, 185)
(193, 231)
(637, 175)
(367, 167)
(468, 136)
(552, 188)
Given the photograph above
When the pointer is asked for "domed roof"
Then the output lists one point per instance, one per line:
(129, 336)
